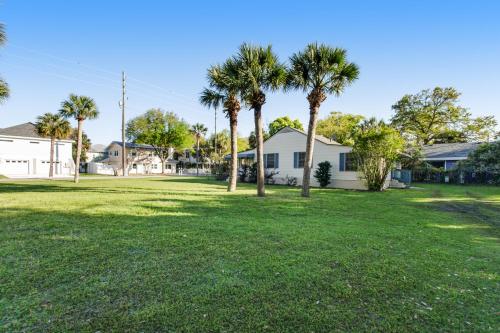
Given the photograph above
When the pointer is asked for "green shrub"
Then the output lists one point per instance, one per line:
(323, 174)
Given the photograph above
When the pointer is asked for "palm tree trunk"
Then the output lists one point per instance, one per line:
(78, 151)
(51, 167)
(261, 191)
(311, 134)
(197, 154)
(233, 122)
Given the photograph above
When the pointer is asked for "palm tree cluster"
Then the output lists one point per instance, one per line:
(245, 78)
(56, 126)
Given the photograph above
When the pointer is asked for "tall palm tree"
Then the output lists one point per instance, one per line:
(4, 88)
(319, 70)
(80, 108)
(225, 87)
(55, 127)
(198, 130)
(261, 72)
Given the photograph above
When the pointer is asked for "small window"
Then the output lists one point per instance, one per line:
(134, 166)
(187, 153)
(347, 162)
(168, 166)
(116, 152)
(271, 161)
(134, 154)
(299, 159)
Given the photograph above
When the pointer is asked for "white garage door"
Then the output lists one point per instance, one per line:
(16, 167)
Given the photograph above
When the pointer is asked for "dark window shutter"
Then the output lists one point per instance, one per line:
(342, 162)
(295, 160)
(276, 161)
(265, 161)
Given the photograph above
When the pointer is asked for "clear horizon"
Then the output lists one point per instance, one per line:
(58, 48)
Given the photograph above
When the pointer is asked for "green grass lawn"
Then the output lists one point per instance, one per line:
(181, 254)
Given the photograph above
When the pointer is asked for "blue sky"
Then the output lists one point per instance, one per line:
(61, 47)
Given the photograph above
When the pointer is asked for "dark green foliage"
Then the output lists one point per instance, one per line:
(323, 173)
(485, 159)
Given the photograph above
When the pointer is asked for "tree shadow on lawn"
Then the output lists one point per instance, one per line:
(226, 262)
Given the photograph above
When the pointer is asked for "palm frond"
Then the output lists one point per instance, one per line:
(4, 90)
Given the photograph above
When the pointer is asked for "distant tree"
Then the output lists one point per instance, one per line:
(279, 123)
(86, 144)
(340, 127)
(252, 139)
(55, 127)
(261, 72)
(4, 88)
(199, 131)
(164, 131)
(323, 173)
(318, 70)
(243, 144)
(434, 116)
(223, 147)
(377, 147)
(225, 92)
(80, 108)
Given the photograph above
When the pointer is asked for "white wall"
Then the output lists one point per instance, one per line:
(285, 144)
(31, 156)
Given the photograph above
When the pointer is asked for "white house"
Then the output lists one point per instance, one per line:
(141, 159)
(23, 153)
(284, 153)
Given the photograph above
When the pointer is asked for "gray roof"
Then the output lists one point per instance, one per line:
(26, 130)
(319, 138)
(449, 150)
(132, 145)
(244, 154)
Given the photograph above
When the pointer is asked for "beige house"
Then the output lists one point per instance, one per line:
(284, 154)
(141, 160)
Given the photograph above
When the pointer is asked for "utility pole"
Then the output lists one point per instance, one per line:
(124, 149)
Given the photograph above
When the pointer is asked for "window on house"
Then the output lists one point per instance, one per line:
(299, 159)
(271, 161)
(347, 162)
(134, 154)
(134, 166)
(187, 153)
(155, 166)
(116, 152)
(168, 166)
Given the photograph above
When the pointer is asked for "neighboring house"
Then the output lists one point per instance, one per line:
(23, 153)
(285, 151)
(141, 159)
(97, 153)
(446, 155)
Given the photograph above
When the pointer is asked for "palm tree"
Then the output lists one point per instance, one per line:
(199, 130)
(261, 72)
(225, 87)
(55, 127)
(319, 70)
(4, 88)
(79, 108)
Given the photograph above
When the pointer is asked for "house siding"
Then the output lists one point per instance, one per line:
(287, 143)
